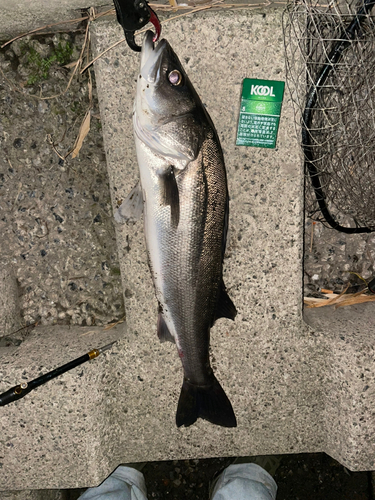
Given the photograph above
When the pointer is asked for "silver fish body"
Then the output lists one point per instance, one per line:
(185, 196)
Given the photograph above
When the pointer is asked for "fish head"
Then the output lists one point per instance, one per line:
(166, 104)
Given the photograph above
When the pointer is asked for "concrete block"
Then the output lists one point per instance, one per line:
(259, 357)
(347, 336)
(24, 16)
(10, 319)
(52, 436)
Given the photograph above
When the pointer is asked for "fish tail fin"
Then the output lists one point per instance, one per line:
(208, 402)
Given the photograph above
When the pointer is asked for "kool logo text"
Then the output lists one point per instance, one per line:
(262, 90)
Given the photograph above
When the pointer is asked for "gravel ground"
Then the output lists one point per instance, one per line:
(58, 235)
(56, 217)
(331, 258)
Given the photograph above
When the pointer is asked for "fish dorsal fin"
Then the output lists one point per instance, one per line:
(163, 331)
(132, 207)
(225, 307)
(170, 194)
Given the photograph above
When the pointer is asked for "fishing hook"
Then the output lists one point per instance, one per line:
(133, 15)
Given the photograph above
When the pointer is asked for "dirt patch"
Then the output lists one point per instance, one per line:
(56, 217)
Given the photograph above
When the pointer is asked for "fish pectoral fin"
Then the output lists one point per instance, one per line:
(163, 331)
(224, 307)
(132, 207)
(170, 194)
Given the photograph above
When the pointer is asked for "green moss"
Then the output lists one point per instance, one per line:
(63, 53)
(40, 66)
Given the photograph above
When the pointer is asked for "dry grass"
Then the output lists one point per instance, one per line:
(339, 300)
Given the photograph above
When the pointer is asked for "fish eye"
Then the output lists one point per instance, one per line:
(175, 77)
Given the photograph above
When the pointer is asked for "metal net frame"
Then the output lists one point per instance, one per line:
(330, 62)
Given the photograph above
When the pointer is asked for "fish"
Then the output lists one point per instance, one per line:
(184, 196)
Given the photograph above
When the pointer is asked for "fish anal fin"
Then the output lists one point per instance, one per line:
(224, 307)
(132, 207)
(208, 402)
(170, 195)
(163, 331)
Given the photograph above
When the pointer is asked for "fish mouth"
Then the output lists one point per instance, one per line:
(151, 57)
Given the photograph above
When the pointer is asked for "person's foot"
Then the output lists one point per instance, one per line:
(269, 463)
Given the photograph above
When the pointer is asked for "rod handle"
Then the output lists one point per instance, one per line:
(15, 393)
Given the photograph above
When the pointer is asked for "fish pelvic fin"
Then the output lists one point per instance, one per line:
(132, 207)
(163, 331)
(171, 195)
(224, 307)
(208, 402)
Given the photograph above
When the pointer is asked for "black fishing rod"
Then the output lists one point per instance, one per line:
(345, 39)
(20, 391)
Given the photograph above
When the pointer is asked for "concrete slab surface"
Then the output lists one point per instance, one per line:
(53, 434)
(347, 336)
(24, 16)
(10, 319)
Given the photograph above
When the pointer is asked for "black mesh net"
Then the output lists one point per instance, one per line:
(330, 53)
